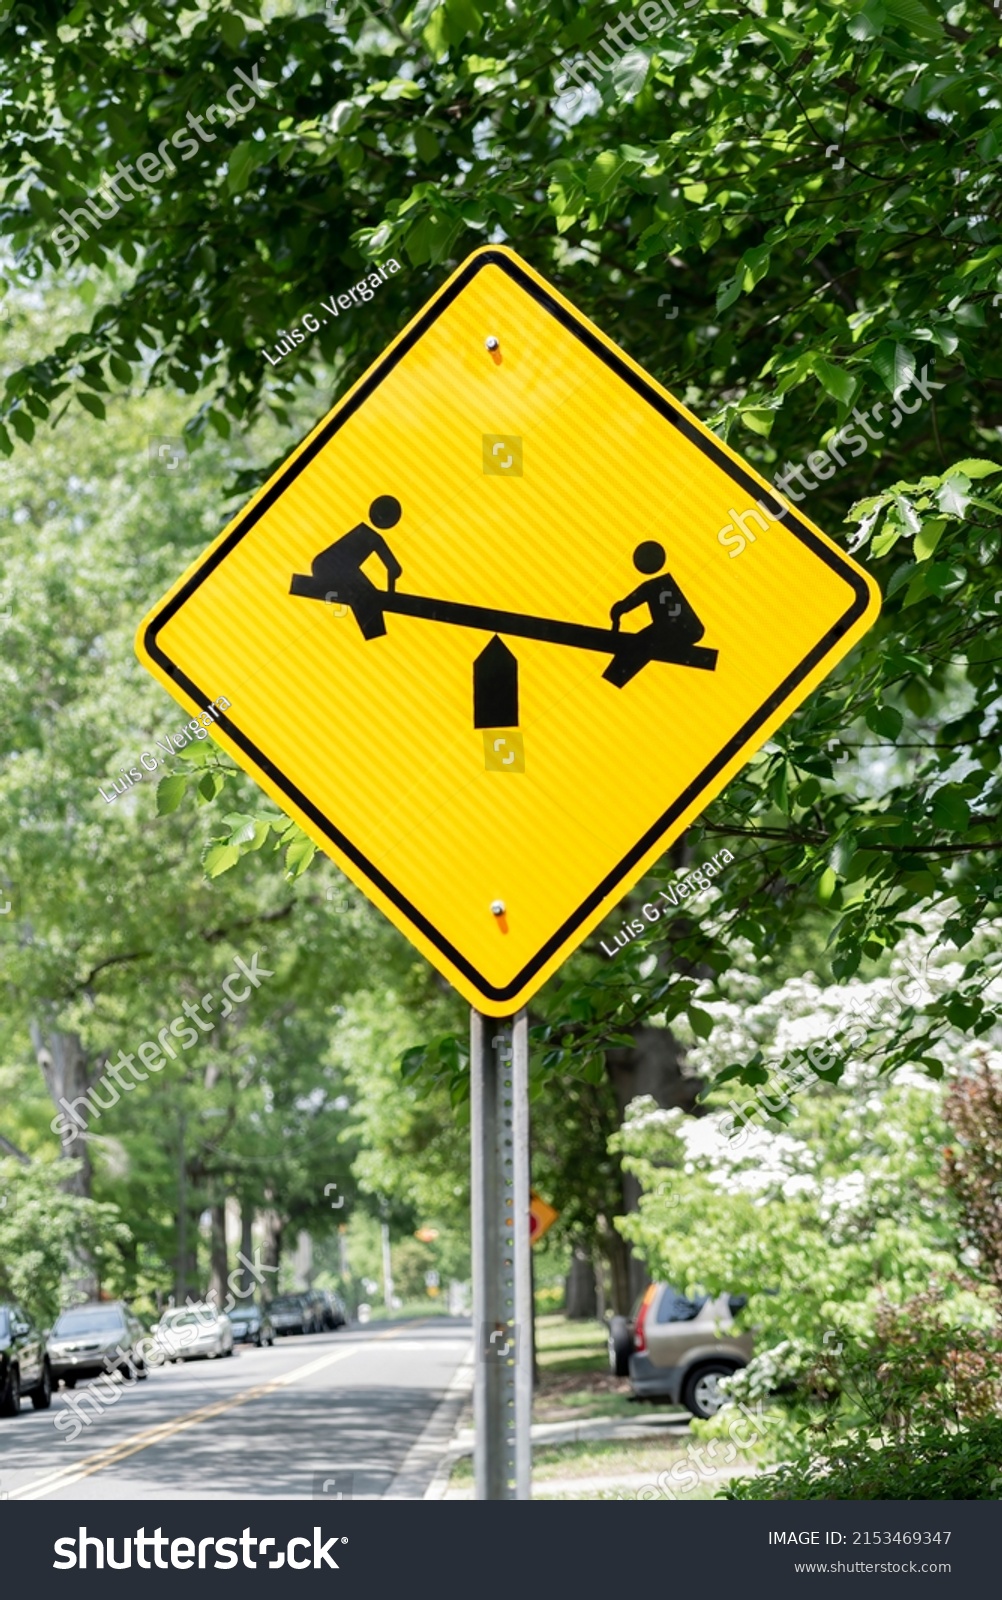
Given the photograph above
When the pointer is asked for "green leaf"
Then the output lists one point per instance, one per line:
(727, 292)
(759, 419)
(462, 18)
(593, 1069)
(941, 578)
(299, 855)
(755, 265)
(90, 402)
(412, 1061)
(913, 16)
(869, 22)
(209, 785)
(23, 425)
(835, 381)
(170, 793)
(886, 539)
(928, 538)
(976, 467)
(434, 33)
(895, 364)
(604, 174)
(842, 853)
(242, 829)
(232, 30)
(950, 810)
(630, 74)
(198, 754)
(700, 1021)
(846, 962)
(426, 144)
(220, 858)
(242, 161)
(886, 721)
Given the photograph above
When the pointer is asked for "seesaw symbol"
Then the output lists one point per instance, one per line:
(671, 636)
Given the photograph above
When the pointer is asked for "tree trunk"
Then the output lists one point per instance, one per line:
(248, 1282)
(186, 1281)
(601, 1298)
(619, 1257)
(271, 1245)
(579, 1293)
(218, 1264)
(67, 1077)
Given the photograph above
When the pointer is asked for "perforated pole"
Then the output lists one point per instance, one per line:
(502, 1305)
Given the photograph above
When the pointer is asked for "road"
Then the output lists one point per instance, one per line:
(364, 1412)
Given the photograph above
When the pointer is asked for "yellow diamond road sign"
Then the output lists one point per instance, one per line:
(481, 639)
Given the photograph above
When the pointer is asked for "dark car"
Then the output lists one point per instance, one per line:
(289, 1313)
(318, 1311)
(251, 1325)
(336, 1310)
(24, 1362)
(92, 1339)
(326, 1309)
(678, 1349)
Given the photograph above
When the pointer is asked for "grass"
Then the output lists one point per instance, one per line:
(571, 1345)
(410, 1308)
(574, 1377)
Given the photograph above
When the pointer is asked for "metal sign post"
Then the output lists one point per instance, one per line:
(502, 1289)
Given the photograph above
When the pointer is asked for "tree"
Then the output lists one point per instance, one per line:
(115, 929)
(44, 1229)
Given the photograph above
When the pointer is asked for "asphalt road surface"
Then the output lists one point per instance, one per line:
(363, 1413)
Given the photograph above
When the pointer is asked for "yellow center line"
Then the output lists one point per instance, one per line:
(112, 1454)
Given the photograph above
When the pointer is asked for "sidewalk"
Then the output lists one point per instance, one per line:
(673, 1424)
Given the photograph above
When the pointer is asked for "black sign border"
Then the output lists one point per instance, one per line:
(710, 447)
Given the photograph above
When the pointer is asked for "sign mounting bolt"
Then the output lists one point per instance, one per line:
(492, 343)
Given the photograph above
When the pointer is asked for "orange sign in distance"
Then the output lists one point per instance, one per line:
(542, 1216)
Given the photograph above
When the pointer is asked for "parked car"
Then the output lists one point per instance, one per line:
(88, 1340)
(290, 1314)
(189, 1331)
(678, 1349)
(251, 1325)
(24, 1362)
(337, 1310)
(318, 1311)
(327, 1310)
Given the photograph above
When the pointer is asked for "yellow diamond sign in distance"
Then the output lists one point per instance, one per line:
(481, 640)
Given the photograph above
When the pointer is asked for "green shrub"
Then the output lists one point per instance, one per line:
(911, 1412)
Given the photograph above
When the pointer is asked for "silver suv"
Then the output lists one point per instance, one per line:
(678, 1349)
